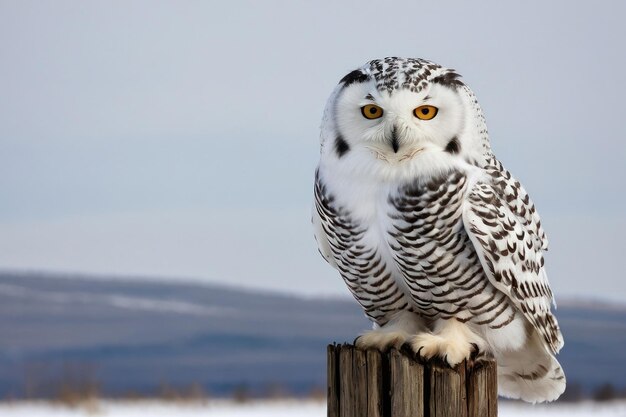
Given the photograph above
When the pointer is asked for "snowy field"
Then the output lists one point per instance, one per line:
(269, 409)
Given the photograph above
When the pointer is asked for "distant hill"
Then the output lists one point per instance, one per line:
(139, 336)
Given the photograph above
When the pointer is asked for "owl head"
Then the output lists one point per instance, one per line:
(402, 118)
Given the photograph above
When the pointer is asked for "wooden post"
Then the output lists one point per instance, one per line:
(368, 383)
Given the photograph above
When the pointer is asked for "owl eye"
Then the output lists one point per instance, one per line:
(425, 112)
(371, 111)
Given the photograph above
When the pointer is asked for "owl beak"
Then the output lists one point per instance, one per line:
(395, 144)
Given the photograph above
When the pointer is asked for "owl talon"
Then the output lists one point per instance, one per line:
(475, 351)
(452, 351)
(418, 353)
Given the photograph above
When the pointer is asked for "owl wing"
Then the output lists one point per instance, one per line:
(320, 235)
(341, 242)
(506, 232)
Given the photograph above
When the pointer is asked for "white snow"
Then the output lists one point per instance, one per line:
(515, 409)
(283, 408)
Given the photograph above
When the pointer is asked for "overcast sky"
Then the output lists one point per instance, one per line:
(179, 139)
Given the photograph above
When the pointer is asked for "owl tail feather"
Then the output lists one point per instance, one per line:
(531, 373)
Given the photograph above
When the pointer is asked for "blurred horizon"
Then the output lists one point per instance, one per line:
(180, 139)
(69, 337)
(103, 277)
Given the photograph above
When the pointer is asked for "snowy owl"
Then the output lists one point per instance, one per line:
(438, 243)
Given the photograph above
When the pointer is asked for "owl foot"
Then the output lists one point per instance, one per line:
(451, 341)
(453, 352)
(381, 339)
(395, 333)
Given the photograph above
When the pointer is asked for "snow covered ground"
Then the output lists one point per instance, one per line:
(269, 408)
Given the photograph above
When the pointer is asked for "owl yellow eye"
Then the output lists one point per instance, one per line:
(425, 112)
(371, 111)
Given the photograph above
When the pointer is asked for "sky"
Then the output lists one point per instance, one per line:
(179, 139)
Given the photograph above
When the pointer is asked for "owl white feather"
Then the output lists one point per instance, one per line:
(435, 239)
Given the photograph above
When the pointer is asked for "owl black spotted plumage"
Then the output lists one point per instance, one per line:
(435, 239)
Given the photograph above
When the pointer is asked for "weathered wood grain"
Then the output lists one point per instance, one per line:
(482, 390)
(359, 382)
(447, 388)
(332, 375)
(406, 385)
(375, 384)
(368, 383)
(346, 383)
